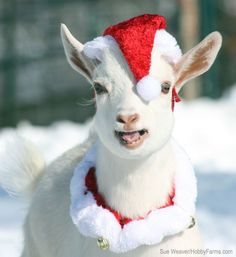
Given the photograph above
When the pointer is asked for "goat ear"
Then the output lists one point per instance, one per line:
(74, 53)
(198, 60)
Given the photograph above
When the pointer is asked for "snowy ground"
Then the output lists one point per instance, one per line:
(205, 128)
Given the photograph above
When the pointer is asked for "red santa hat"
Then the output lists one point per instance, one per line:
(137, 38)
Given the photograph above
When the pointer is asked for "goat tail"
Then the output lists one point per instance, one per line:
(21, 167)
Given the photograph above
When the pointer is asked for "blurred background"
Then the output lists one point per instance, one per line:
(43, 99)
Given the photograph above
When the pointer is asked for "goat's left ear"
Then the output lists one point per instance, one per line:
(198, 60)
(74, 53)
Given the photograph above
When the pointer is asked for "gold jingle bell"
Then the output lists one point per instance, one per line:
(102, 243)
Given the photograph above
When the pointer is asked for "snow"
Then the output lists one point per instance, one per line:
(11, 216)
(204, 127)
(52, 140)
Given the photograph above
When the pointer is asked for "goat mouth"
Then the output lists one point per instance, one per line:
(131, 139)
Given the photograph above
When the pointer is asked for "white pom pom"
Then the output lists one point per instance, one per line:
(149, 88)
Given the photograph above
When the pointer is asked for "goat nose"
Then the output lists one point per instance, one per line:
(128, 119)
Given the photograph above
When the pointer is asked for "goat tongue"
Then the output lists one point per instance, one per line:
(131, 137)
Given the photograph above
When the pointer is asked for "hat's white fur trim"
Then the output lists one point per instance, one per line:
(94, 221)
(167, 45)
(164, 41)
(94, 49)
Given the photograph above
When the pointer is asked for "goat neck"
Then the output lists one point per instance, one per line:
(133, 187)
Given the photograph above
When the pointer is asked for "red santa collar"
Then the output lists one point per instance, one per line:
(91, 185)
(95, 219)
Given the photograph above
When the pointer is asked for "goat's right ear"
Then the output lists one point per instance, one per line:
(74, 53)
(198, 60)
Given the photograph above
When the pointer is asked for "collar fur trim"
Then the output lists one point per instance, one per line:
(95, 221)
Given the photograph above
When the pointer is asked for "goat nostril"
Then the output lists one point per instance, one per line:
(133, 118)
(125, 119)
(121, 119)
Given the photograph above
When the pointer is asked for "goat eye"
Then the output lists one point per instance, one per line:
(165, 87)
(100, 89)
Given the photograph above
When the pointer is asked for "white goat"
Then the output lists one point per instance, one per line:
(135, 156)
